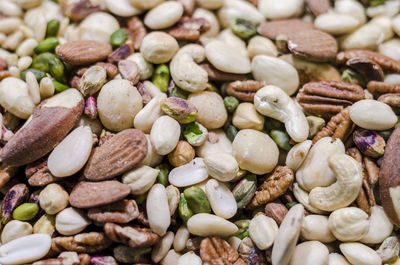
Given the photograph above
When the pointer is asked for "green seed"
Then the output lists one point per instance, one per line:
(231, 103)
(193, 132)
(290, 204)
(243, 28)
(118, 37)
(177, 92)
(25, 211)
(38, 74)
(140, 198)
(353, 77)
(374, 3)
(57, 70)
(41, 61)
(183, 208)
(52, 28)
(231, 132)
(162, 177)
(47, 45)
(161, 77)
(243, 226)
(282, 139)
(272, 124)
(197, 200)
(59, 87)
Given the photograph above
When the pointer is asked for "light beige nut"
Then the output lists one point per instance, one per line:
(255, 151)
(310, 252)
(204, 224)
(140, 179)
(302, 197)
(45, 225)
(146, 69)
(173, 195)
(164, 15)
(237, 8)
(297, 154)
(349, 224)
(182, 154)
(247, 117)
(171, 258)
(260, 45)
(358, 253)
(122, 8)
(336, 23)
(33, 87)
(315, 227)
(189, 258)
(221, 199)
(71, 221)
(98, 26)
(164, 134)
(263, 231)
(380, 226)
(146, 117)
(158, 47)
(197, 170)
(157, 209)
(212, 20)
(181, 236)
(223, 145)
(18, 102)
(53, 198)
(15, 229)
(152, 158)
(280, 10)
(145, 4)
(221, 166)
(210, 4)
(161, 248)
(46, 88)
(337, 259)
(118, 103)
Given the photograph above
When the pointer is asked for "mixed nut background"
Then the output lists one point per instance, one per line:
(199, 132)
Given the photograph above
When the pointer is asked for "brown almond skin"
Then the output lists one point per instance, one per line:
(119, 154)
(389, 176)
(48, 127)
(94, 194)
(272, 29)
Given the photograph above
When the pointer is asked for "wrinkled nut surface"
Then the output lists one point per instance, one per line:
(349, 224)
(53, 198)
(158, 47)
(122, 211)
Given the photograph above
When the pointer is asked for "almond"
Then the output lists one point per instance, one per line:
(119, 154)
(83, 52)
(49, 124)
(273, 29)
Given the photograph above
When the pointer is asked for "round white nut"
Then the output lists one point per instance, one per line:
(255, 151)
(26, 47)
(297, 154)
(189, 258)
(220, 55)
(118, 103)
(152, 159)
(98, 26)
(346, 188)
(280, 9)
(158, 47)
(164, 134)
(259, 45)
(273, 102)
(224, 145)
(390, 48)
(302, 197)
(145, 4)
(315, 227)
(195, 168)
(15, 229)
(237, 8)
(71, 221)
(140, 179)
(122, 8)
(72, 153)
(372, 115)
(221, 166)
(184, 70)
(17, 100)
(158, 209)
(263, 231)
(336, 23)
(314, 171)
(146, 117)
(380, 226)
(146, 69)
(221, 199)
(349, 224)
(360, 254)
(211, 18)
(310, 252)
(352, 8)
(247, 117)
(164, 15)
(204, 224)
(182, 235)
(53, 198)
(161, 248)
(171, 258)
(337, 259)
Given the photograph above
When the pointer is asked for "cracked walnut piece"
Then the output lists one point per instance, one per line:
(82, 243)
(132, 236)
(122, 211)
(216, 251)
(244, 90)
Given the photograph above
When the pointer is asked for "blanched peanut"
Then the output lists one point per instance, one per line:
(161, 248)
(165, 134)
(158, 210)
(158, 47)
(15, 229)
(221, 199)
(263, 231)
(182, 235)
(349, 224)
(164, 15)
(310, 252)
(315, 227)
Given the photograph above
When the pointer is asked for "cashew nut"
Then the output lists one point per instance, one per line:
(273, 102)
(345, 190)
(184, 70)
(302, 197)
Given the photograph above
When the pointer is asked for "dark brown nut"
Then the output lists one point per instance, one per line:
(377, 88)
(393, 100)
(249, 253)
(121, 53)
(103, 260)
(276, 211)
(111, 69)
(132, 236)
(216, 75)
(136, 32)
(287, 27)
(119, 154)
(339, 126)
(14, 197)
(142, 218)
(84, 259)
(4, 74)
(82, 52)
(273, 187)
(6, 173)
(94, 194)
(189, 28)
(214, 250)
(3, 64)
(387, 63)
(78, 10)
(188, 6)
(129, 70)
(38, 174)
(137, 256)
(50, 123)
(318, 7)
(369, 69)
(389, 178)
(92, 242)
(327, 98)
(146, 97)
(244, 90)
(118, 212)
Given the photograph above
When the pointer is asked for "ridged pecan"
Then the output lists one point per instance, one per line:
(136, 32)
(189, 28)
(327, 98)
(318, 7)
(385, 62)
(215, 251)
(273, 187)
(244, 90)
(378, 88)
(122, 211)
(38, 173)
(340, 127)
(392, 99)
(133, 236)
(276, 211)
(216, 75)
(82, 243)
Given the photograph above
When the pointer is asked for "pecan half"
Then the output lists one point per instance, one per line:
(38, 173)
(214, 251)
(249, 253)
(189, 28)
(118, 212)
(216, 75)
(340, 127)
(393, 100)
(82, 243)
(142, 218)
(327, 98)
(387, 63)
(378, 88)
(136, 32)
(122, 52)
(244, 90)
(273, 187)
(276, 211)
(133, 236)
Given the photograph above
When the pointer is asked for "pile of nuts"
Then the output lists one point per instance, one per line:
(189, 132)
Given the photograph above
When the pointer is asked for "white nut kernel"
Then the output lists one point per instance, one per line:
(164, 15)
(349, 224)
(310, 252)
(315, 227)
(152, 158)
(297, 154)
(122, 8)
(15, 229)
(158, 47)
(302, 197)
(259, 45)
(196, 169)
(53, 198)
(380, 226)
(263, 231)
(98, 26)
(337, 259)
(224, 145)
(335, 23)
(221, 166)
(146, 117)
(165, 134)
(247, 117)
(238, 8)
(360, 254)
(33, 87)
(140, 179)
(211, 18)
(182, 235)
(17, 100)
(189, 258)
(146, 69)
(204, 224)
(71, 221)
(272, 9)
(372, 115)
(145, 4)
(221, 199)
(161, 248)
(158, 210)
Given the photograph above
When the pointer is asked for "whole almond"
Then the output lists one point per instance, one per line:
(272, 29)
(83, 52)
(119, 154)
(50, 123)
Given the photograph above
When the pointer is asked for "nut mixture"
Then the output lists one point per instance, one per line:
(189, 132)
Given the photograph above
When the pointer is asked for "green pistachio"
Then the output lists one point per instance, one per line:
(245, 190)
(272, 124)
(231, 132)
(315, 124)
(243, 226)
(374, 3)
(118, 37)
(162, 177)
(41, 61)
(183, 208)
(161, 77)
(231, 103)
(197, 200)
(45, 225)
(177, 92)
(351, 76)
(59, 87)
(290, 204)
(195, 133)
(180, 109)
(243, 28)
(92, 80)
(47, 45)
(52, 28)
(57, 70)
(38, 74)
(282, 139)
(25, 211)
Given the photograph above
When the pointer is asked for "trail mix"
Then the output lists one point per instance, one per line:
(194, 132)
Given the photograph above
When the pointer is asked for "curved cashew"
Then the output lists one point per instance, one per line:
(184, 70)
(344, 191)
(273, 102)
(302, 197)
